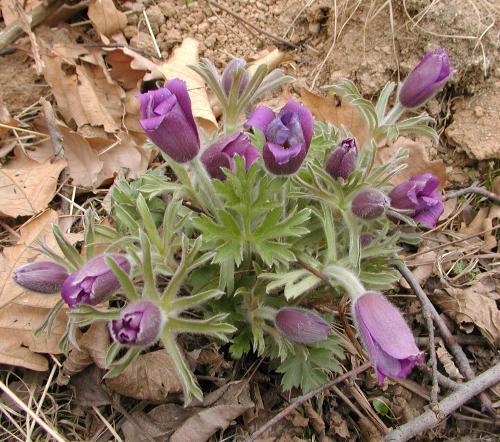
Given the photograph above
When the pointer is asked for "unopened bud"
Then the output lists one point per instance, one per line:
(43, 277)
(370, 204)
(302, 325)
(342, 161)
(233, 67)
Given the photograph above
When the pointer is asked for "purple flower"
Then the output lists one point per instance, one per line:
(139, 324)
(420, 195)
(387, 337)
(43, 277)
(221, 153)
(288, 136)
(369, 204)
(233, 67)
(342, 161)
(93, 282)
(168, 121)
(302, 325)
(426, 79)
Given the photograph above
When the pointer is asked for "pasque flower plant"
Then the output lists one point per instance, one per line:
(219, 242)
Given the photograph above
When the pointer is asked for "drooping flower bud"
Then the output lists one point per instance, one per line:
(221, 153)
(387, 338)
(93, 282)
(369, 204)
(420, 195)
(342, 161)
(288, 136)
(232, 69)
(139, 324)
(302, 325)
(167, 119)
(42, 277)
(426, 79)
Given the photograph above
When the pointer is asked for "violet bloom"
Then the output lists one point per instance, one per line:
(139, 324)
(288, 136)
(420, 195)
(426, 79)
(234, 67)
(93, 282)
(387, 338)
(369, 204)
(302, 325)
(42, 277)
(221, 153)
(342, 161)
(167, 119)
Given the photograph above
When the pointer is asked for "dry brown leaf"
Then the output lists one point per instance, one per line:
(151, 377)
(21, 310)
(332, 109)
(472, 306)
(199, 427)
(271, 58)
(27, 187)
(446, 359)
(177, 67)
(122, 70)
(105, 17)
(423, 266)
(418, 161)
(9, 10)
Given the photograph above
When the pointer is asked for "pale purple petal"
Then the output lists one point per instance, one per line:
(179, 89)
(260, 118)
(281, 161)
(282, 155)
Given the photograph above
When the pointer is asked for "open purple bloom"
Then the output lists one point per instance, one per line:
(139, 324)
(288, 136)
(342, 161)
(387, 338)
(369, 204)
(234, 67)
(420, 195)
(302, 325)
(426, 79)
(167, 119)
(93, 282)
(221, 153)
(43, 277)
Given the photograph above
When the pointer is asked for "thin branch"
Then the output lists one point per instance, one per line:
(276, 39)
(451, 343)
(305, 397)
(432, 356)
(474, 189)
(430, 418)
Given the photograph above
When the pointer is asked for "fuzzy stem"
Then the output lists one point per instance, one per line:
(346, 279)
(393, 115)
(211, 199)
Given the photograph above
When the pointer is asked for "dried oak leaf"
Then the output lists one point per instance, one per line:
(21, 310)
(27, 187)
(472, 306)
(105, 17)
(332, 109)
(151, 377)
(122, 67)
(418, 161)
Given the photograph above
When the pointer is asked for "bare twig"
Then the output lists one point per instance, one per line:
(305, 397)
(432, 355)
(430, 419)
(458, 353)
(276, 39)
(474, 189)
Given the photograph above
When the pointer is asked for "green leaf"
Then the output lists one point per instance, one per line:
(241, 345)
(68, 250)
(124, 279)
(380, 406)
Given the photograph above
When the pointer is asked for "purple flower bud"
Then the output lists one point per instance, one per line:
(366, 239)
(420, 195)
(93, 282)
(288, 136)
(369, 204)
(221, 153)
(167, 119)
(43, 277)
(426, 79)
(387, 338)
(139, 324)
(232, 68)
(302, 325)
(342, 161)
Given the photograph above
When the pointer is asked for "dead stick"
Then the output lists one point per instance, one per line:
(474, 189)
(430, 419)
(246, 22)
(432, 355)
(12, 32)
(451, 343)
(305, 397)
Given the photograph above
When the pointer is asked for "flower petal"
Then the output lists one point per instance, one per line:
(260, 118)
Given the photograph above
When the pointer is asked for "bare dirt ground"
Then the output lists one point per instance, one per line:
(370, 42)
